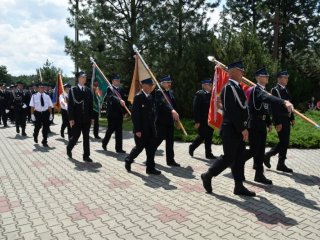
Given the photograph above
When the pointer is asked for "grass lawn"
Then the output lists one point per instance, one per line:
(303, 134)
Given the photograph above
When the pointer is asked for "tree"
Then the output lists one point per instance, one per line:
(183, 43)
(111, 28)
(173, 37)
(49, 72)
(283, 26)
(291, 32)
(244, 46)
(4, 76)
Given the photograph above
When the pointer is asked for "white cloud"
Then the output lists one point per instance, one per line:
(32, 32)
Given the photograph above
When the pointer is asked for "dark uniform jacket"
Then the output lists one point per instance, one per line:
(80, 106)
(234, 114)
(114, 108)
(4, 100)
(143, 115)
(164, 110)
(201, 105)
(19, 98)
(259, 107)
(280, 113)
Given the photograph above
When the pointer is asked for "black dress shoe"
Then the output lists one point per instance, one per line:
(127, 165)
(153, 171)
(18, 130)
(121, 151)
(24, 134)
(266, 161)
(190, 151)
(206, 182)
(260, 178)
(173, 164)
(97, 137)
(45, 144)
(210, 156)
(243, 191)
(87, 159)
(35, 139)
(284, 168)
(69, 153)
(104, 147)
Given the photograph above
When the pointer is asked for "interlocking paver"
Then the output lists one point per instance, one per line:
(43, 195)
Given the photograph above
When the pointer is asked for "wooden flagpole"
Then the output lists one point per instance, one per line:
(136, 50)
(110, 85)
(212, 59)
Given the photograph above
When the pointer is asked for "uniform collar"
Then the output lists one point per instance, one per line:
(281, 86)
(235, 82)
(263, 87)
(147, 95)
(81, 87)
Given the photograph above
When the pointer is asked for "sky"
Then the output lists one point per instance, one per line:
(32, 31)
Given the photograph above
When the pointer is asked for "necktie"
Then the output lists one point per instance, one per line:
(42, 101)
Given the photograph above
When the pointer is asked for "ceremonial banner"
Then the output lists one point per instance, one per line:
(140, 73)
(58, 89)
(221, 78)
(99, 88)
(215, 116)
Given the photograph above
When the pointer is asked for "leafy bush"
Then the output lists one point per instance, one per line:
(303, 134)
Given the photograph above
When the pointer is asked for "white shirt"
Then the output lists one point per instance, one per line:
(82, 88)
(36, 102)
(63, 101)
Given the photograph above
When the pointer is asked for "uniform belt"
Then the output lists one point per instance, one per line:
(284, 114)
(41, 111)
(259, 117)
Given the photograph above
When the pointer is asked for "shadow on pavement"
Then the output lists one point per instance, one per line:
(301, 178)
(155, 181)
(208, 162)
(93, 139)
(86, 166)
(159, 152)
(292, 195)
(118, 156)
(19, 137)
(183, 172)
(261, 209)
(40, 148)
(52, 133)
(65, 141)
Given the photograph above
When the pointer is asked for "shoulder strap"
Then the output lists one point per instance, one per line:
(254, 102)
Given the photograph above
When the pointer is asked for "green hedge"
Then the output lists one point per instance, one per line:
(303, 134)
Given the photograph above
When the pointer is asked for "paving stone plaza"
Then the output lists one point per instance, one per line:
(45, 195)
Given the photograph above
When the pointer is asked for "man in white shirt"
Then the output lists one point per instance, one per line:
(63, 99)
(41, 114)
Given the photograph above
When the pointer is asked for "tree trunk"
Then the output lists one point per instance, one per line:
(180, 30)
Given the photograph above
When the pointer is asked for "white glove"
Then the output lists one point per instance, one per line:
(7, 110)
(51, 117)
(33, 118)
(24, 106)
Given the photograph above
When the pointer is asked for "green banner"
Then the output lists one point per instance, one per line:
(99, 89)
